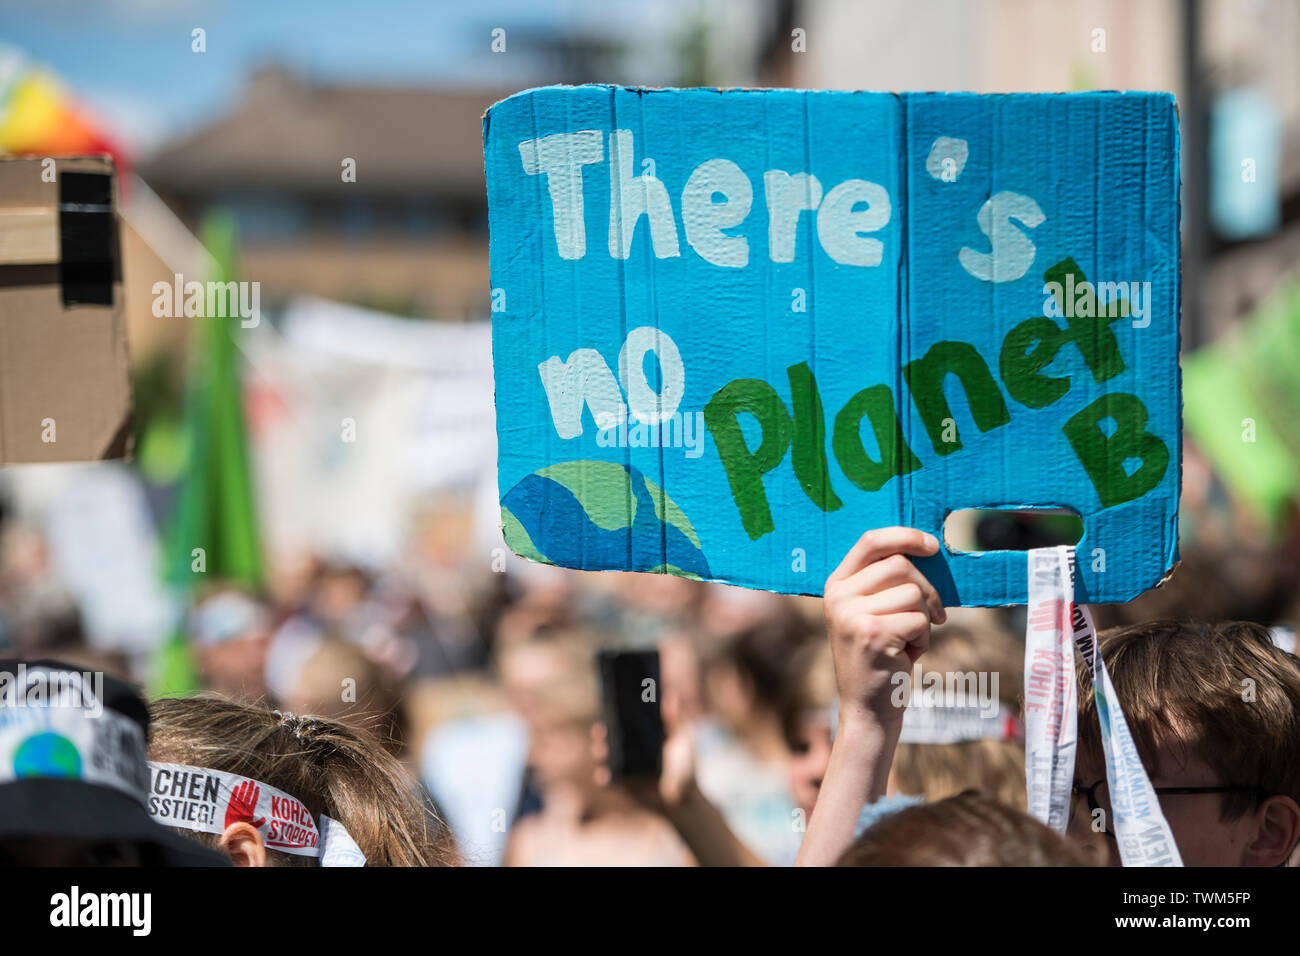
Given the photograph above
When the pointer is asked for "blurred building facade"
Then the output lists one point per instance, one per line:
(1203, 51)
(407, 234)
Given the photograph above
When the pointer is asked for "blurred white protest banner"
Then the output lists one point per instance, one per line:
(102, 547)
(355, 415)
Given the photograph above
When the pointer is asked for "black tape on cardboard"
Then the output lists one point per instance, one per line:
(87, 238)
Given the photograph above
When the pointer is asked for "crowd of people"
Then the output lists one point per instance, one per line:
(427, 717)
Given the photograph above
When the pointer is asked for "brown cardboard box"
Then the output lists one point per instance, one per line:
(64, 388)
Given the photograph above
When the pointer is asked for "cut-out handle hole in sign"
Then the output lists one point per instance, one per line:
(1011, 529)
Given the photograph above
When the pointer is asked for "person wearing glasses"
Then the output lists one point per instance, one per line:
(1215, 712)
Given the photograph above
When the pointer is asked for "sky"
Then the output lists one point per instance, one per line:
(131, 63)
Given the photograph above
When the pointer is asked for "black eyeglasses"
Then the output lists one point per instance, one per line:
(1100, 800)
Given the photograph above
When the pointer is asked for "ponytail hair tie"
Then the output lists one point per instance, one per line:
(299, 725)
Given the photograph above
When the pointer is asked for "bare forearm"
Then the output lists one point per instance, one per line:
(705, 831)
(856, 775)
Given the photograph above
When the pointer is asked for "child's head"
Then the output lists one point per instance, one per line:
(969, 662)
(970, 829)
(531, 670)
(331, 769)
(230, 632)
(551, 682)
(1210, 706)
(375, 704)
(745, 679)
(970, 659)
(806, 718)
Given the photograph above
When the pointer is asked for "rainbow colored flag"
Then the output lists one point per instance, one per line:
(39, 116)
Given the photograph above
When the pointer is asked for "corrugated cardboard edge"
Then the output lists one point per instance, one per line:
(119, 441)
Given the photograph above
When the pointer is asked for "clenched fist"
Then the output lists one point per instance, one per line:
(879, 608)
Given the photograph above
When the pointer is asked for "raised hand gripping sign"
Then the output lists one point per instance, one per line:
(732, 330)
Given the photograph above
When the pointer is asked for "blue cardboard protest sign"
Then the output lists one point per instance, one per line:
(732, 330)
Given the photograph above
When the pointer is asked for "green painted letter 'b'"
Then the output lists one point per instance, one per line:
(1103, 455)
(745, 469)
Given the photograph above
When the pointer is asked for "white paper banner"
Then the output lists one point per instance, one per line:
(1139, 826)
(209, 801)
(1051, 711)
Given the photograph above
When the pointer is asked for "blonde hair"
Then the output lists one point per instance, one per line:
(334, 770)
(377, 706)
(553, 676)
(995, 767)
(811, 690)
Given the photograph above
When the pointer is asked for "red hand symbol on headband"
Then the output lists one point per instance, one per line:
(243, 804)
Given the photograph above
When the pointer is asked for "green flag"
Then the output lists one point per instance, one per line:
(212, 534)
(1241, 404)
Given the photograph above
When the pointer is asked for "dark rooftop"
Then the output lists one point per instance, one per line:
(287, 134)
